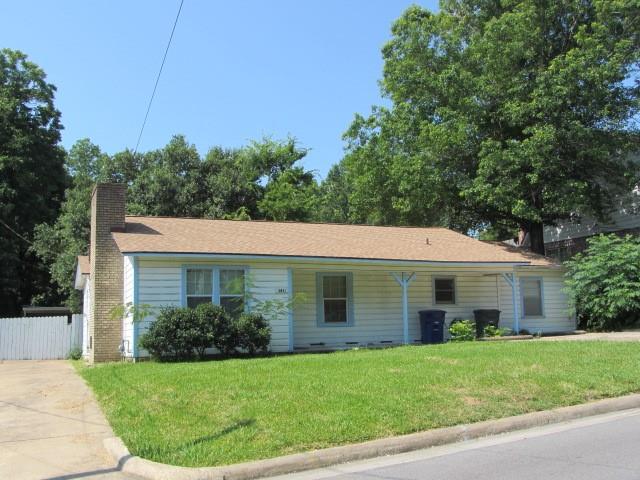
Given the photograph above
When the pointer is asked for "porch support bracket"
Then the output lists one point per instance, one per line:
(404, 280)
(511, 279)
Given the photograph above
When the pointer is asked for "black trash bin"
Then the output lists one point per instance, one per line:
(484, 318)
(432, 326)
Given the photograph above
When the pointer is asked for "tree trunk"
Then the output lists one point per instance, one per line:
(536, 238)
(522, 236)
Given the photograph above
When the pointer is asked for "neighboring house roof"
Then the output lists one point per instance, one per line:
(314, 240)
(624, 216)
(83, 269)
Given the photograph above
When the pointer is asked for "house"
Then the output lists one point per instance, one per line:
(356, 285)
(569, 237)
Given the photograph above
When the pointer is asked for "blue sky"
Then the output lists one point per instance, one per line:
(237, 70)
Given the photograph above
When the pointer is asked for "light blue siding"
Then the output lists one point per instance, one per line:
(377, 298)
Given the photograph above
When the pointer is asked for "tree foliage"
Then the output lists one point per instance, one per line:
(604, 282)
(334, 192)
(32, 177)
(291, 195)
(516, 112)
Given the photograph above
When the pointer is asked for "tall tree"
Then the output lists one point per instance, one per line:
(235, 182)
(32, 177)
(166, 181)
(333, 197)
(292, 195)
(516, 112)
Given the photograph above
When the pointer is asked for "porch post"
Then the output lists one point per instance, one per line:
(516, 303)
(511, 279)
(404, 282)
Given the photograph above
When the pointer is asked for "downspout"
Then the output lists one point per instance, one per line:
(136, 283)
(290, 290)
(514, 295)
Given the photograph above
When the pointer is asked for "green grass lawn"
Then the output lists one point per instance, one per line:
(222, 412)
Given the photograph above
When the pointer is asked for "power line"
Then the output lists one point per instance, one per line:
(153, 94)
(15, 233)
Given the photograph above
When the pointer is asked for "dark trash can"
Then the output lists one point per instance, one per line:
(484, 318)
(432, 326)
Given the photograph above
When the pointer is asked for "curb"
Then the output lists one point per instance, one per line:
(506, 338)
(360, 451)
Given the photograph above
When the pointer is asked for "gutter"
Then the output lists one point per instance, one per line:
(321, 259)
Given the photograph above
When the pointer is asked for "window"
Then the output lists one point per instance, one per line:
(531, 296)
(444, 290)
(334, 299)
(232, 291)
(199, 286)
(222, 286)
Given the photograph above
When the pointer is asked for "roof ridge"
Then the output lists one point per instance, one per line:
(295, 222)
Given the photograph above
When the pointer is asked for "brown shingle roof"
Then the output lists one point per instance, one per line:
(189, 235)
(83, 263)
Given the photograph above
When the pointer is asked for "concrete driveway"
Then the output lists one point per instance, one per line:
(50, 424)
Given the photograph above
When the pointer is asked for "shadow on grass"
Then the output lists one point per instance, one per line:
(169, 453)
(215, 436)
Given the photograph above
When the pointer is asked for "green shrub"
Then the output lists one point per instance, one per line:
(75, 353)
(183, 333)
(462, 331)
(221, 326)
(176, 334)
(254, 333)
(491, 331)
(604, 282)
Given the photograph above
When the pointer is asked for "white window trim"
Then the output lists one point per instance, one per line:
(215, 282)
(186, 295)
(320, 299)
(542, 309)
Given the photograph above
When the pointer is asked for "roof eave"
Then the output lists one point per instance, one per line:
(321, 259)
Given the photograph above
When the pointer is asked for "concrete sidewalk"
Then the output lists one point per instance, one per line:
(628, 336)
(50, 425)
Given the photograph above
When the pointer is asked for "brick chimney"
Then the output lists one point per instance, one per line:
(107, 265)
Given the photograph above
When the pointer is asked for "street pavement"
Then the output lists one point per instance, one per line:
(602, 447)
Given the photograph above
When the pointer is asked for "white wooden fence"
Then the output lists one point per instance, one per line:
(39, 338)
